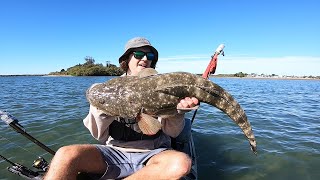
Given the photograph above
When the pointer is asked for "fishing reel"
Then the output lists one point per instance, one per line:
(41, 163)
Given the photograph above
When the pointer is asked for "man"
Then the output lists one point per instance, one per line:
(125, 152)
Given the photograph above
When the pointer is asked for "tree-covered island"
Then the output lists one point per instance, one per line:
(89, 68)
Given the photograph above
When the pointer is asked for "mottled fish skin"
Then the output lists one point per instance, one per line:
(158, 95)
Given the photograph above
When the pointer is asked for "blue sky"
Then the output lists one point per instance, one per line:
(264, 36)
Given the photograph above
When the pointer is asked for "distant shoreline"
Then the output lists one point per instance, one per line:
(23, 75)
(42, 75)
(271, 78)
(212, 76)
(58, 75)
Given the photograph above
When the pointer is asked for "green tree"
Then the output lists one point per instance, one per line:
(89, 68)
(240, 74)
(89, 60)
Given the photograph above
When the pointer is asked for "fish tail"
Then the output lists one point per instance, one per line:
(221, 99)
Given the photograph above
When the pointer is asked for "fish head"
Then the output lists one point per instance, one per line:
(114, 97)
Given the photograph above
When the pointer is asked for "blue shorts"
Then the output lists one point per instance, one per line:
(121, 164)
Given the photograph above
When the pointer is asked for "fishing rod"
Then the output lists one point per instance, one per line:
(39, 163)
(211, 68)
(22, 170)
(13, 122)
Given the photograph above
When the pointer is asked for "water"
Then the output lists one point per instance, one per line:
(284, 115)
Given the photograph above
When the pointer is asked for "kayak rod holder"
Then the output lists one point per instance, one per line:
(211, 69)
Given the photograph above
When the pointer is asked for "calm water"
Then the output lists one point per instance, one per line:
(284, 114)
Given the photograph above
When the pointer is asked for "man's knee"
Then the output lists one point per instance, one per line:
(68, 154)
(78, 156)
(177, 164)
(181, 164)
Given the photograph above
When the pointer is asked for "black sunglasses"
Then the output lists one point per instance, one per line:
(140, 54)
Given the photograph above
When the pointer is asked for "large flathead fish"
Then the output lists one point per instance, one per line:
(158, 95)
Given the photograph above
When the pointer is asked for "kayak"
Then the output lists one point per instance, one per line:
(183, 143)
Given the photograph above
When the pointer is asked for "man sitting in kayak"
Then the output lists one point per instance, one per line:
(124, 151)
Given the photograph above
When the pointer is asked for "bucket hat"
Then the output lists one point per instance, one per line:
(138, 42)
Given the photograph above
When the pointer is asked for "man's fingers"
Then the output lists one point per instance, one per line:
(188, 102)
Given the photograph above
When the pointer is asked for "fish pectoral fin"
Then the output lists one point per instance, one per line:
(148, 124)
(185, 110)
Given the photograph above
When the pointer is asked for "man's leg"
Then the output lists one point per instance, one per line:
(168, 164)
(69, 160)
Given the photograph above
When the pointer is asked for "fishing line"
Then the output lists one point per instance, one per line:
(39, 163)
(4, 138)
(14, 123)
